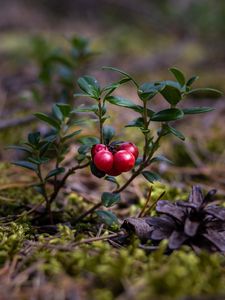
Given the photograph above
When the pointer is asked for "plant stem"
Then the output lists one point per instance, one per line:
(146, 124)
(100, 121)
(91, 210)
(62, 182)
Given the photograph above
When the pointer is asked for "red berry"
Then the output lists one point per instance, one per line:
(123, 161)
(129, 147)
(104, 160)
(113, 172)
(96, 148)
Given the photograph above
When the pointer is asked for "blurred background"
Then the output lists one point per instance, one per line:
(45, 45)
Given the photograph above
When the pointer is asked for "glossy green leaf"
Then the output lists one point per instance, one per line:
(107, 217)
(175, 132)
(191, 80)
(148, 90)
(109, 199)
(171, 93)
(21, 148)
(160, 158)
(139, 122)
(48, 119)
(89, 85)
(119, 101)
(167, 115)
(196, 110)
(89, 140)
(34, 138)
(64, 108)
(71, 135)
(111, 179)
(25, 164)
(151, 176)
(121, 72)
(205, 90)
(178, 75)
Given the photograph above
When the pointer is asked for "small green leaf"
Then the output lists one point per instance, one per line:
(160, 158)
(89, 85)
(139, 122)
(111, 179)
(109, 199)
(95, 171)
(22, 148)
(119, 101)
(175, 132)
(171, 93)
(48, 119)
(191, 80)
(83, 149)
(151, 176)
(167, 115)
(25, 164)
(71, 135)
(178, 75)
(121, 72)
(108, 217)
(64, 108)
(205, 90)
(57, 113)
(148, 90)
(55, 172)
(196, 110)
(34, 138)
(108, 134)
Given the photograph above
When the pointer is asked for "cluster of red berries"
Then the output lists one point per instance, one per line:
(115, 158)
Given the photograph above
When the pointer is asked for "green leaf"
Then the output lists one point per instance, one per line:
(119, 101)
(167, 115)
(22, 148)
(108, 134)
(108, 217)
(178, 75)
(48, 119)
(71, 135)
(160, 158)
(111, 179)
(205, 90)
(148, 90)
(57, 113)
(25, 164)
(191, 80)
(89, 85)
(55, 172)
(171, 93)
(109, 199)
(64, 108)
(151, 176)
(196, 110)
(34, 138)
(121, 72)
(139, 122)
(175, 132)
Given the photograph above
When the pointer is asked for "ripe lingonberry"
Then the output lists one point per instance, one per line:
(128, 146)
(123, 161)
(104, 160)
(96, 148)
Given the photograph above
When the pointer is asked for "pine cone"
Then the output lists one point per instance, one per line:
(196, 222)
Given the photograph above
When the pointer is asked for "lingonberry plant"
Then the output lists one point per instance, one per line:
(107, 158)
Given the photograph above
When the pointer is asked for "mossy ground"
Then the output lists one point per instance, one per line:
(68, 263)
